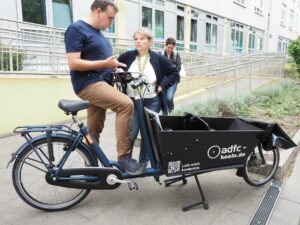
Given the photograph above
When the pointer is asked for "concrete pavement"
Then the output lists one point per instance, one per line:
(230, 199)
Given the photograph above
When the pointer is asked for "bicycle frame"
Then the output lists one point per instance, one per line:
(64, 131)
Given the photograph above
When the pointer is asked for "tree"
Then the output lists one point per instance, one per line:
(294, 52)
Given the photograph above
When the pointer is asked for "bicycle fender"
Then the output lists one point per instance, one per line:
(44, 136)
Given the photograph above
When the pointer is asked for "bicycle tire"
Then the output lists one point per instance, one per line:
(34, 189)
(256, 172)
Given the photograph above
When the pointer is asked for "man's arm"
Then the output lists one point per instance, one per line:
(78, 64)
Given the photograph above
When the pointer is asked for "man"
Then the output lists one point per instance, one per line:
(91, 62)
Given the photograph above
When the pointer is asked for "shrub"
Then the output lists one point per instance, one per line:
(17, 59)
(294, 52)
(276, 101)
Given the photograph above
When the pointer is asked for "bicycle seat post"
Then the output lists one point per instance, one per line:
(77, 120)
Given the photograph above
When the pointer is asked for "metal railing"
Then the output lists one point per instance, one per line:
(37, 48)
(233, 75)
(27, 48)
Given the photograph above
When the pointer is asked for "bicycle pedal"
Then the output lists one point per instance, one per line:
(133, 186)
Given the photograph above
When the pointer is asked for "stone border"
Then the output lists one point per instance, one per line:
(286, 158)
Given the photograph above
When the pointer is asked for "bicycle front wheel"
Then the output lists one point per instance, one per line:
(29, 172)
(261, 166)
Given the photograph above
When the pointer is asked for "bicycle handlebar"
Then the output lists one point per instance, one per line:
(125, 77)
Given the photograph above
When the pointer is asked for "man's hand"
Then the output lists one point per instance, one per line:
(112, 62)
(119, 70)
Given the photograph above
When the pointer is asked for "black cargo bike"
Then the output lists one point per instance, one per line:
(56, 169)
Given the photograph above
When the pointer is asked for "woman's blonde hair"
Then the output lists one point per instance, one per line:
(145, 32)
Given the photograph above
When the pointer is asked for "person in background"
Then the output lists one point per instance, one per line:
(160, 74)
(91, 62)
(175, 59)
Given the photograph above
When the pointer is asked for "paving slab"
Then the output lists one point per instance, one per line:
(230, 199)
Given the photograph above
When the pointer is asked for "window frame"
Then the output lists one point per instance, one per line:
(151, 18)
(211, 22)
(237, 33)
(163, 23)
(43, 12)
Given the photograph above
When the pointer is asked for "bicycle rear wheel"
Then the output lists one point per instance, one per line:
(261, 166)
(29, 173)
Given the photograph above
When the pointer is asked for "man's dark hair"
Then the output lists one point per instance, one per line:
(103, 4)
(171, 41)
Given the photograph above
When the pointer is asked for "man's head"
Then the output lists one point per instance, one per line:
(104, 12)
(170, 45)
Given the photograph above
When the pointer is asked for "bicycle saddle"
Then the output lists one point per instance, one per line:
(73, 106)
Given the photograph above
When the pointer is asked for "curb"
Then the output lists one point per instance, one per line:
(286, 158)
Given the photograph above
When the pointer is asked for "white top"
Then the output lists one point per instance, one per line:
(149, 76)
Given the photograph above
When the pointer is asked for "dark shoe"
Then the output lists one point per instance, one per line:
(131, 166)
(143, 166)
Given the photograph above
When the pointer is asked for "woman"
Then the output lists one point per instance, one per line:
(174, 58)
(160, 73)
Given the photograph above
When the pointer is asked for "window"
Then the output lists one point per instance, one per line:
(211, 35)
(279, 47)
(193, 30)
(283, 14)
(180, 28)
(261, 44)
(251, 43)
(61, 13)
(147, 18)
(34, 11)
(180, 8)
(195, 13)
(282, 44)
(240, 2)
(179, 46)
(237, 36)
(258, 8)
(160, 2)
(111, 28)
(159, 24)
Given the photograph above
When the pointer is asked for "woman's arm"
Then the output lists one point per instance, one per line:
(169, 72)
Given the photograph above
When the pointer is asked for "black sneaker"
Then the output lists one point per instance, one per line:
(131, 166)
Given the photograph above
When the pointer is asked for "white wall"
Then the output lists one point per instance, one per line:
(232, 11)
(8, 9)
(81, 9)
(276, 29)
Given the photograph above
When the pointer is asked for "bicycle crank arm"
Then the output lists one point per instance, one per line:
(112, 179)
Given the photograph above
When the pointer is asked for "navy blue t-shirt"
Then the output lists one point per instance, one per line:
(82, 37)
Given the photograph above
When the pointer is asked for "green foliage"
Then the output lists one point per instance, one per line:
(294, 52)
(275, 101)
(17, 59)
(290, 70)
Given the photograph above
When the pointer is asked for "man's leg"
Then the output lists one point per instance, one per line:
(135, 127)
(104, 96)
(95, 120)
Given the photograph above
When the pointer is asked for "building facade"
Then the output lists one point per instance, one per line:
(227, 26)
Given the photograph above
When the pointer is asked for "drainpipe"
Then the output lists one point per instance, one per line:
(187, 27)
(224, 41)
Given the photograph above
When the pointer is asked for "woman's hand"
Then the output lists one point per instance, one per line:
(119, 70)
(159, 89)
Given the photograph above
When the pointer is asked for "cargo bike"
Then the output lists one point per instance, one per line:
(58, 165)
